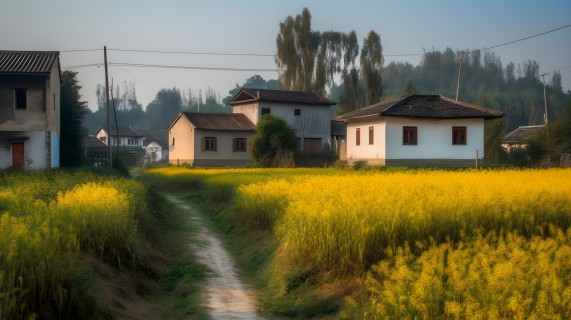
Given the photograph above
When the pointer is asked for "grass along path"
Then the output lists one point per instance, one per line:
(225, 296)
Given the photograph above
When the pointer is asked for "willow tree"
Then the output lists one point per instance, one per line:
(309, 60)
(371, 66)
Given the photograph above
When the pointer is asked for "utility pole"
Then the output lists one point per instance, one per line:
(461, 59)
(544, 96)
(109, 150)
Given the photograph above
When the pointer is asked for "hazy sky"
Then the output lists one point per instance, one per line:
(231, 26)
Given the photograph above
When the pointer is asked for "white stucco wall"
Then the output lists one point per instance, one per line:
(365, 151)
(434, 139)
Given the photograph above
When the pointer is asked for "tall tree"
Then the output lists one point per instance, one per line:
(309, 60)
(371, 67)
(72, 111)
(163, 110)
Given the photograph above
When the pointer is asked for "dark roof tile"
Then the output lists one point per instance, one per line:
(247, 95)
(27, 61)
(520, 134)
(422, 106)
(220, 121)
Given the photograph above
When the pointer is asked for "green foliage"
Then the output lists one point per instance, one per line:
(274, 138)
(72, 111)
(371, 67)
(494, 131)
(162, 111)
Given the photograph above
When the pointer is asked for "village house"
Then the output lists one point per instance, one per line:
(128, 141)
(29, 109)
(207, 139)
(417, 130)
(308, 113)
(210, 139)
(518, 137)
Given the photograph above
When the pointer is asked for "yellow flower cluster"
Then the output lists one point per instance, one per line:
(45, 220)
(491, 277)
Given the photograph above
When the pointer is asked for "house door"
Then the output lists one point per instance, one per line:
(18, 155)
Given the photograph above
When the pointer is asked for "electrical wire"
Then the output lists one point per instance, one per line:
(160, 66)
(522, 39)
(196, 53)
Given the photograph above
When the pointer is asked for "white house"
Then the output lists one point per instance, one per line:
(417, 130)
(125, 136)
(308, 113)
(517, 138)
(210, 139)
(29, 109)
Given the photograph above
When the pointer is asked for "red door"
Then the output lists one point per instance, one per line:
(18, 155)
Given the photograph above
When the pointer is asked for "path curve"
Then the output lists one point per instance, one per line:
(226, 297)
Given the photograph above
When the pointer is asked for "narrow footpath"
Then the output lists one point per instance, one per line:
(225, 296)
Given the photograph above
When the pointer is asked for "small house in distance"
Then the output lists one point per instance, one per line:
(29, 109)
(417, 130)
(517, 138)
(210, 139)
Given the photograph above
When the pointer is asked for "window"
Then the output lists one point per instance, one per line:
(358, 136)
(209, 144)
(265, 111)
(297, 112)
(371, 135)
(239, 145)
(459, 135)
(173, 142)
(20, 98)
(409, 136)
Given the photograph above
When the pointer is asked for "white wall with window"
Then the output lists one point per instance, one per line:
(435, 139)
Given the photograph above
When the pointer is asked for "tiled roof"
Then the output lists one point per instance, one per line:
(522, 133)
(422, 106)
(123, 131)
(220, 121)
(27, 61)
(91, 142)
(247, 95)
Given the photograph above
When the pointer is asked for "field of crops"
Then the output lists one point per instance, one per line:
(47, 219)
(431, 243)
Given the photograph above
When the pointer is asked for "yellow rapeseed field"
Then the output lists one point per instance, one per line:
(432, 243)
(46, 219)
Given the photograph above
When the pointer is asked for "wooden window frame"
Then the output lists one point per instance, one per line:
(459, 136)
(358, 136)
(297, 112)
(19, 95)
(371, 135)
(409, 139)
(209, 146)
(239, 145)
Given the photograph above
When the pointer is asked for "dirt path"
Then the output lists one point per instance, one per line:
(226, 297)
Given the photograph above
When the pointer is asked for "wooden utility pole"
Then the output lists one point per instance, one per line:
(461, 59)
(109, 150)
(544, 96)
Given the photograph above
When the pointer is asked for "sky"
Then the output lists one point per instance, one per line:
(251, 26)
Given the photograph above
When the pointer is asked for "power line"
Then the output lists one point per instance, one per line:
(197, 53)
(159, 66)
(533, 36)
(80, 50)
(83, 66)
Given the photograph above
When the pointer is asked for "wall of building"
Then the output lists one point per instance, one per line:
(365, 151)
(182, 150)
(33, 118)
(34, 149)
(53, 99)
(250, 110)
(434, 139)
(224, 150)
